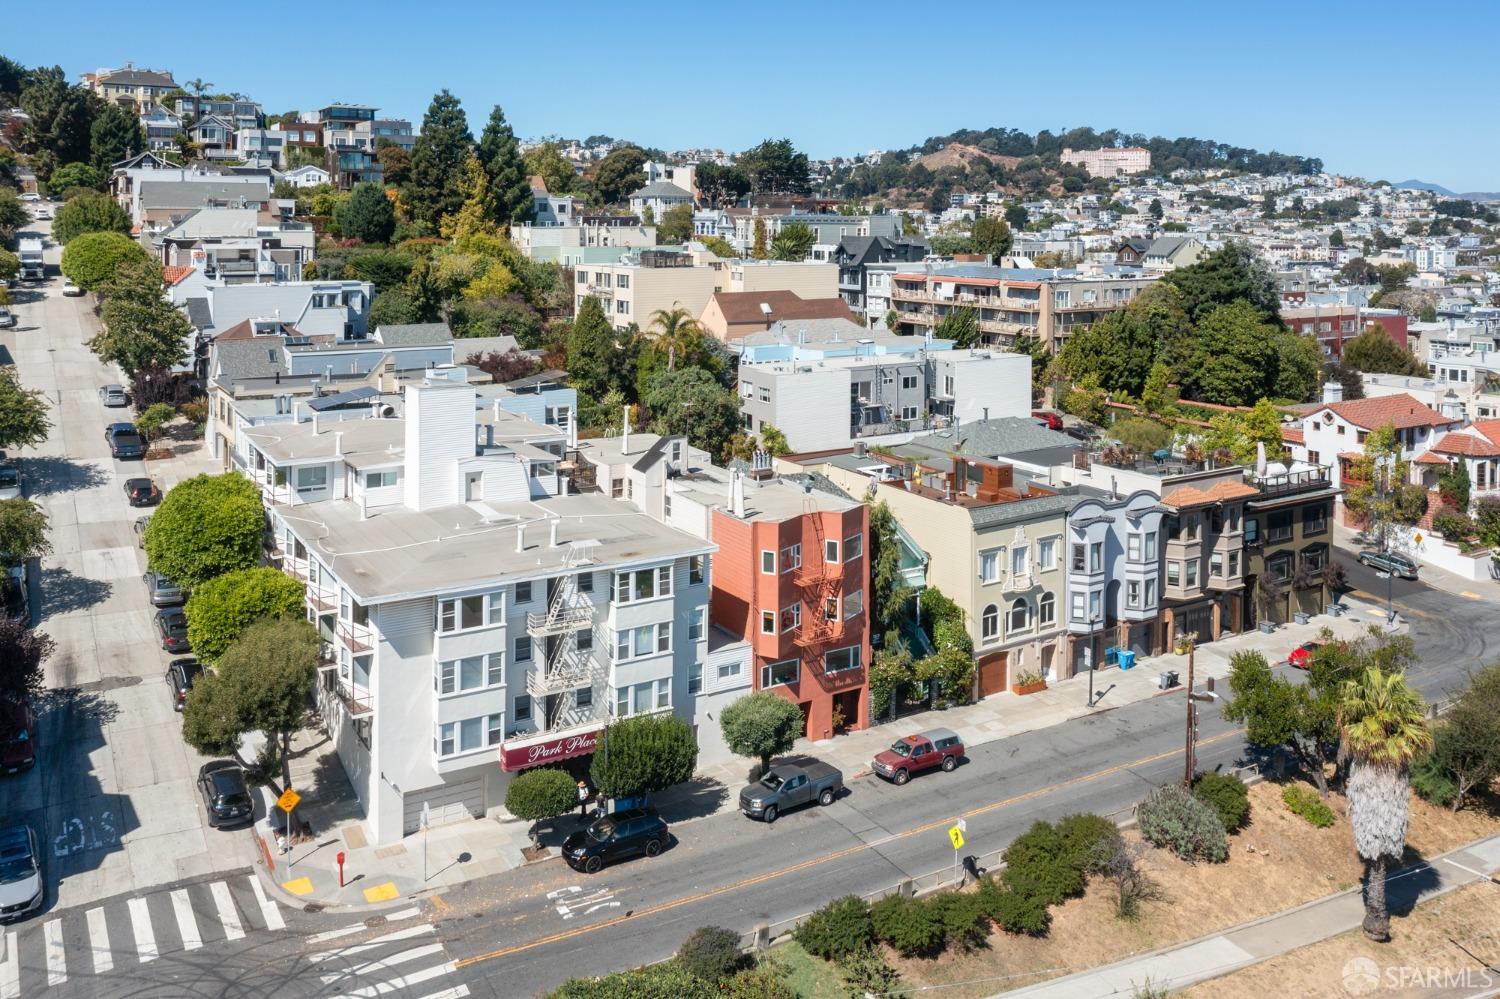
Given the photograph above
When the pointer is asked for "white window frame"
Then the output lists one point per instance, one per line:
(491, 732)
(850, 654)
(1046, 554)
(767, 675)
(854, 547)
(767, 562)
(989, 565)
(791, 558)
(989, 624)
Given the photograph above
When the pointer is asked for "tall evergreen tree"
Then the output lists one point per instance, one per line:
(61, 117)
(591, 350)
(510, 187)
(115, 135)
(437, 162)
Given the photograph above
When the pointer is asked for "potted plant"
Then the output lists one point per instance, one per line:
(1028, 682)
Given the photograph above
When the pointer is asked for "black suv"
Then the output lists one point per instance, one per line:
(225, 796)
(127, 444)
(615, 837)
(180, 676)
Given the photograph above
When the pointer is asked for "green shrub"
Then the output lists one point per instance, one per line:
(1175, 819)
(1018, 913)
(840, 927)
(1305, 802)
(155, 415)
(1432, 782)
(712, 953)
(765, 981)
(1228, 795)
(1037, 866)
(668, 980)
(866, 971)
(1079, 837)
(910, 926)
(963, 919)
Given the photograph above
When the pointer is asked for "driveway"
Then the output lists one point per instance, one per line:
(112, 794)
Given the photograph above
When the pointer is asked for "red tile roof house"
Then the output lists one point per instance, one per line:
(1333, 433)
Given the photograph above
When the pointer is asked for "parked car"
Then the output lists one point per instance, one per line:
(936, 747)
(15, 599)
(140, 530)
(142, 492)
(112, 395)
(22, 887)
(1392, 562)
(181, 674)
(127, 444)
(7, 318)
(1054, 421)
(70, 289)
(171, 628)
(17, 736)
(43, 215)
(791, 785)
(10, 482)
(1301, 656)
(161, 591)
(615, 837)
(225, 796)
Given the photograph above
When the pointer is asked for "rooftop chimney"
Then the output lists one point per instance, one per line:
(552, 533)
(625, 434)
(520, 537)
(338, 443)
(737, 495)
(1333, 391)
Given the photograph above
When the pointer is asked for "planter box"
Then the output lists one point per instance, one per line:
(1028, 688)
(1300, 618)
(1267, 628)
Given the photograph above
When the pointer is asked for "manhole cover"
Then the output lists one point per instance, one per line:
(312, 907)
(375, 921)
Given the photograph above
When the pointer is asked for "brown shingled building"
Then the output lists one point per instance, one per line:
(732, 314)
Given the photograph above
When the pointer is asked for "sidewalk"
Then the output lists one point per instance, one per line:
(467, 850)
(1270, 936)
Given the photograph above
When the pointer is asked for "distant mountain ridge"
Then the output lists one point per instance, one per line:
(1423, 185)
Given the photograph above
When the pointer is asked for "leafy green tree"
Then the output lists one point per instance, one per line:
(395, 163)
(948, 244)
(437, 161)
(1454, 485)
(538, 795)
(961, 325)
(1376, 352)
(23, 532)
(1466, 747)
(592, 351)
(392, 307)
(1393, 277)
(758, 248)
(140, 329)
(720, 186)
(89, 213)
(774, 167)
(1235, 356)
(676, 225)
(643, 755)
(1158, 397)
(620, 173)
(13, 215)
(1087, 400)
(1224, 277)
(23, 412)
(367, 215)
(220, 609)
(1381, 731)
(991, 236)
(61, 118)
(547, 162)
(1155, 209)
(793, 242)
(690, 402)
(90, 260)
(1299, 361)
(115, 135)
(262, 683)
(1278, 713)
(1121, 348)
(1379, 492)
(76, 175)
(206, 526)
(1359, 271)
(1237, 434)
(10, 266)
(510, 184)
(1336, 239)
(773, 441)
(1142, 435)
(762, 725)
(1016, 216)
(889, 593)
(23, 654)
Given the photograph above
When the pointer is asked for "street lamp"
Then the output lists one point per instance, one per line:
(1088, 657)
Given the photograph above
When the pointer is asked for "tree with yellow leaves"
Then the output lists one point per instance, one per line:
(476, 214)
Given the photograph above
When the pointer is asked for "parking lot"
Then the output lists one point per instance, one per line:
(112, 793)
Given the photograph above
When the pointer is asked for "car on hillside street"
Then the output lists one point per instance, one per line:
(225, 796)
(616, 836)
(22, 887)
(1301, 657)
(791, 785)
(161, 591)
(937, 747)
(17, 736)
(142, 492)
(181, 674)
(10, 482)
(7, 318)
(1393, 562)
(112, 395)
(171, 629)
(127, 444)
(70, 289)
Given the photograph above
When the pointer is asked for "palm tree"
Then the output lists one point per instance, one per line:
(676, 328)
(1381, 730)
(197, 85)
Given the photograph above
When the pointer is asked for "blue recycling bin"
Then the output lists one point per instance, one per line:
(1111, 656)
(1127, 659)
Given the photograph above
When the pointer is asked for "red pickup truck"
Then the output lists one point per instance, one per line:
(936, 747)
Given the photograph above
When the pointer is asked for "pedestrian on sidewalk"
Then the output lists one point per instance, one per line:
(583, 799)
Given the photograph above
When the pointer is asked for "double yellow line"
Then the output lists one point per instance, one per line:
(827, 858)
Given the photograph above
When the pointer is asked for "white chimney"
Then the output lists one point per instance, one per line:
(737, 495)
(520, 537)
(1333, 391)
(625, 435)
(552, 533)
(338, 443)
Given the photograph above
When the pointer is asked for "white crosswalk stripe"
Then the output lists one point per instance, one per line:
(457, 992)
(99, 942)
(229, 918)
(393, 963)
(10, 969)
(140, 923)
(187, 926)
(57, 959)
(269, 913)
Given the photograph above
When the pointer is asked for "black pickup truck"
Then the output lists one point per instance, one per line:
(790, 785)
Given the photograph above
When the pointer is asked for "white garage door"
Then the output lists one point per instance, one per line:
(449, 803)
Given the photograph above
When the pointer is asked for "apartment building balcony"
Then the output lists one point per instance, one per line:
(1303, 480)
(322, 597)
(297, 567)
(561, 678)
(357, 638)
(560, 620)
(357, 700)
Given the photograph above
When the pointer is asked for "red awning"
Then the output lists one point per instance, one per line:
(535, 752)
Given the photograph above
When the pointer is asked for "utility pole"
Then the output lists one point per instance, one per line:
(1192, 720)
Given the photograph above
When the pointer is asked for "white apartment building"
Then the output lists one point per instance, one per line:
(478, 621)
(1114, 588)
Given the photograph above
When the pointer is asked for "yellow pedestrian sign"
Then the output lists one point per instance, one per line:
(957, 836)
(288, 800)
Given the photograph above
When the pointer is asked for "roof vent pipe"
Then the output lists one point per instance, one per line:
(520, 537)
(552, 533)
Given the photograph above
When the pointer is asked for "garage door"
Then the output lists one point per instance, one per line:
(992, 673)
(449, 803)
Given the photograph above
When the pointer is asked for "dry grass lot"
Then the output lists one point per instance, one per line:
(1278, 861)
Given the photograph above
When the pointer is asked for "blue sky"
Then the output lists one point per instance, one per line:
(1374, 89)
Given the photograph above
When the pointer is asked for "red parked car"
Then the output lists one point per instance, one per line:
(17, 737)
(1053, 420)
(936, 747)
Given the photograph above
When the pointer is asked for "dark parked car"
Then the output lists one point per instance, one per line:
(788, 786)
(171, 628)
(110, 429)
(936, 747)
(142, 492)
(615, 837)
(225, 796)
(161, 591)
(1392, 562)
(17, 736)
(127, 444)
(22, 887)
(181, 673)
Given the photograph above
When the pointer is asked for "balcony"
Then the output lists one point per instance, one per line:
(542, 682)
(357, 638)
(323, 597)
(560, 620)
(357, 700)
(1304, 480)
